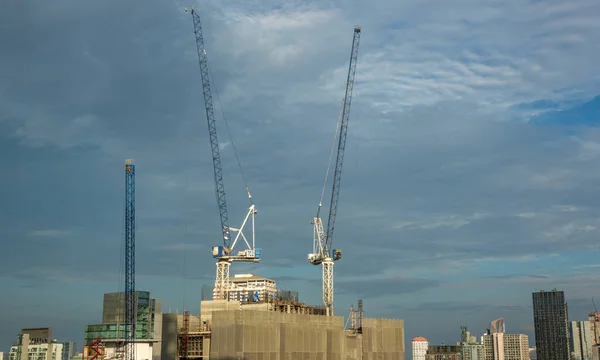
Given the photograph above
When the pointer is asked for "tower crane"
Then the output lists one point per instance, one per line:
(323, 254)
(130, 300)
(226, 253)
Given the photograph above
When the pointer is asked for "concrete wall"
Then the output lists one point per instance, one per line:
(25, 346)
(157, 347)
(113, 308)
(169, 337)
(267, 335)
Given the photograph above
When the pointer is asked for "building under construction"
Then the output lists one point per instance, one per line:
(278, 328)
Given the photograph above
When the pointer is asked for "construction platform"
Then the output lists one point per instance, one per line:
(276, 330)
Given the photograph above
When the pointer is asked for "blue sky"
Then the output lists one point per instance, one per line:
(470, 177)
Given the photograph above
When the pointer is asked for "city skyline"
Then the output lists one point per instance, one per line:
(497, 325)
(471, 158)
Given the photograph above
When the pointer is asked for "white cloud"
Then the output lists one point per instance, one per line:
(451, 221)
(498, 54)
(52, 233)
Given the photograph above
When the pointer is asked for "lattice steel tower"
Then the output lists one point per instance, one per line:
(130, 303)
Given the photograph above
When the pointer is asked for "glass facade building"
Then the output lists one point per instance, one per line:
(551, 325)
(113, 328)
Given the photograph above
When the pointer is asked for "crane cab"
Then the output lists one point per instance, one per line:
(337, 254)
(218, 251)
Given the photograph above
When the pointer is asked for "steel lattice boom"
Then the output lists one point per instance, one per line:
(212, 130)
(337, 175)
(226, 253)
(130, 310)
(323, 253)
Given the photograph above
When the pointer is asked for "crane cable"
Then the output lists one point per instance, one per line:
(335, 136)
(229, 133)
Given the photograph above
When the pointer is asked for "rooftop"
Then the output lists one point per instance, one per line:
(247, 277)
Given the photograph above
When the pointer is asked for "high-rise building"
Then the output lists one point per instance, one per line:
(497, 326)
(148, 326)
(34, 344)
(581, 340)
(419, 348)
(594, 319)
(551, 325)
(68, 350)
(501, 346)
(470, 349)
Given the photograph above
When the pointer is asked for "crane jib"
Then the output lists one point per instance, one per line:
(212, 131)
(337, 175)
(323, 254)
(227, 252)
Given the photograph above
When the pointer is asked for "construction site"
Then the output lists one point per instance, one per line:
(279, 329)
(248, 317)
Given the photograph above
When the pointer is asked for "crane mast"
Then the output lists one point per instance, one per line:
(130, 301)
(323, 253)
(225, 254)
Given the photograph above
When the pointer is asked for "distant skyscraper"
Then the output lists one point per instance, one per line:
(551, 325)
(419, 348)
(68, 350)
(581, 340)
(497, 326)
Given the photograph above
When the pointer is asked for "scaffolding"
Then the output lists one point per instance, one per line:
(191, 344)
(94, 350)
(184, 336)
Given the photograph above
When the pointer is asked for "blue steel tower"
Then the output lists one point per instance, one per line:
(130, 308)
